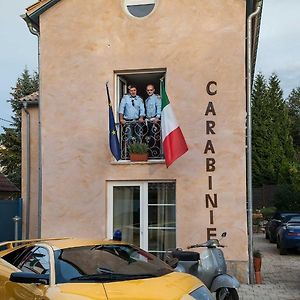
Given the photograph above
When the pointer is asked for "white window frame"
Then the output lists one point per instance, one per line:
(144, 226)
(127, 3)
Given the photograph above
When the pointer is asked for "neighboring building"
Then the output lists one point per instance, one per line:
(198, 49)
(7, 188)
(30, 164)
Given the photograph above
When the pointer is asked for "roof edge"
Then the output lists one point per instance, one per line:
(34, 11)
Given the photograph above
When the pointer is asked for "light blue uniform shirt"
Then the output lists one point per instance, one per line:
(153, 106)
(129, 111)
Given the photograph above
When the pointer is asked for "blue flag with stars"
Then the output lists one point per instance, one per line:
(113, 137)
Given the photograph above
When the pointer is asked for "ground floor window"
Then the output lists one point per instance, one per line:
(145, 212)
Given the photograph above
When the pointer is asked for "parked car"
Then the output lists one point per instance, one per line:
(76, 269)
(288, 236)
(274, 223)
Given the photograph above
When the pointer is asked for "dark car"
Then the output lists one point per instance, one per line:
(288, 235)
(274, 223)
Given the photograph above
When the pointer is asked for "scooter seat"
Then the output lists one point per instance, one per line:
(186, 255)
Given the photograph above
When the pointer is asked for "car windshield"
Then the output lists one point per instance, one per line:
(287, 218)
(106, 263)
(294, 219)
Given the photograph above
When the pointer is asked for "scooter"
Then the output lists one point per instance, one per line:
(209, 266)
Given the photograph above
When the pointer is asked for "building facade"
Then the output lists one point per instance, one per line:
(197, 48)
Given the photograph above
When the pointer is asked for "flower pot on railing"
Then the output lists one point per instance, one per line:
(138, 156)
(257, 259)
(138, 152)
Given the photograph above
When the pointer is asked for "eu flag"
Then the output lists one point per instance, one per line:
(113, 137)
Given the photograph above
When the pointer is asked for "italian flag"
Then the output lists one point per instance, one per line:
(173, 140)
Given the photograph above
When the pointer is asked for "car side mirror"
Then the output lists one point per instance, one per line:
(23, 277)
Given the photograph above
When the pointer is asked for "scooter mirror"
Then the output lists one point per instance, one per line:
(224, 234)
(172, 262)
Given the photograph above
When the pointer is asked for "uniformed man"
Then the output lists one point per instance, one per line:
(153, 111)
(131, 114)
(153, 104)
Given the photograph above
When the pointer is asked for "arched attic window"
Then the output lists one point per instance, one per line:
(139, 8)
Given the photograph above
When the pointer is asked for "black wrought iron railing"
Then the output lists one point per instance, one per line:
(136, 132)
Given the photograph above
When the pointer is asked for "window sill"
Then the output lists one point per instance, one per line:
(148, 162)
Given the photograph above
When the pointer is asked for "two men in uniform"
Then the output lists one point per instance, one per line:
(133, 111)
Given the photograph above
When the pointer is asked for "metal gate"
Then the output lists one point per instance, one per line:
(8, 210)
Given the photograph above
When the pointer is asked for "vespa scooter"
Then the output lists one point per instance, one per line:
(209, 266)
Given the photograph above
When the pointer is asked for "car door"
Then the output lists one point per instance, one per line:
(34, 261)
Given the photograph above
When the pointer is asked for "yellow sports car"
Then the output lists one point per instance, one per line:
(73, 269)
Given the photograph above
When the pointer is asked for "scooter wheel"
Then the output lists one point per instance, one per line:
(227, 294)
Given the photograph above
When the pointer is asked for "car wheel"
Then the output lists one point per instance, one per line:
(271, 239)
(282, 250)
(267, 235)
(227, 294)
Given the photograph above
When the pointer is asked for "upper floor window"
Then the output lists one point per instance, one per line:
(140, 8)
(145, 103)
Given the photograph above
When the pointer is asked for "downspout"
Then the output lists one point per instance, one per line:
(28, 169)
(249, 142)
(35, 32)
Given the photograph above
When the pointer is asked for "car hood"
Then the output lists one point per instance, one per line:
(171, 286)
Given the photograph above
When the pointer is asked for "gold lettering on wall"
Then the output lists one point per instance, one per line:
(211, 90)
(210, 109)
(211, 200)
(210, 164)
(209, 127)
(211, 217)
(209, 147)
(210, 182)
(211, 232)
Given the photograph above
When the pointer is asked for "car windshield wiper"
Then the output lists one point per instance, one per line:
(111, 277)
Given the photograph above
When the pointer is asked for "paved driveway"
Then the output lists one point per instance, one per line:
(281, 274)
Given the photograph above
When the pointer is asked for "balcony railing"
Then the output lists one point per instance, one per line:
(147, 132)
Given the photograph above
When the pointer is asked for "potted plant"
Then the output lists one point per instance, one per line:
(257, 257)
(138, 152)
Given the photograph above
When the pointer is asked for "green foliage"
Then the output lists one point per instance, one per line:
(10, 140)
(273, 150)
(257, 253)
(261, 160)
(138, 148)
(268, 212)
(293, 103)
(257, 217)
(288, 197)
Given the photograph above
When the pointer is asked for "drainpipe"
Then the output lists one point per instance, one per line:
(35, 32)
(28, 168)
(249, 141)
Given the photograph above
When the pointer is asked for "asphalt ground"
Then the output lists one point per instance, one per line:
(280, 274)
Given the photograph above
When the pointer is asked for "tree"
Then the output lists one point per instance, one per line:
(293, 103)
(283, 153)
(262, 173)
(10, 140)
(273, 151)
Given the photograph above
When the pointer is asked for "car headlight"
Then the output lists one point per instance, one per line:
(202, 293)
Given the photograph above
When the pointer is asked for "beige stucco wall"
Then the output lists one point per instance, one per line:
(33, 199)
(82, 43)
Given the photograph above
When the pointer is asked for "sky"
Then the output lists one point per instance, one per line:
(278, 50)
(279, 42)
(19, 49)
